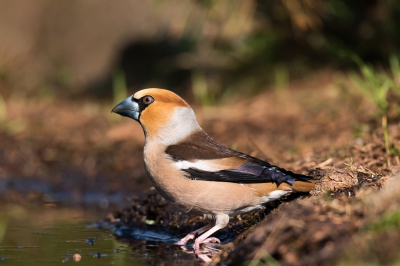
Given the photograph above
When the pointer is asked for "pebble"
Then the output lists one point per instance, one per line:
(76, 257)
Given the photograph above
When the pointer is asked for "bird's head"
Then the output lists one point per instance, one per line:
(162, 114)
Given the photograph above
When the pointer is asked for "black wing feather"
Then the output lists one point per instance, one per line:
(249, 173)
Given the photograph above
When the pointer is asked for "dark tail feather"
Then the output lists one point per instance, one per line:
(280, 175)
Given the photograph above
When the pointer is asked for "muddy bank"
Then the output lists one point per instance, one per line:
(348, 205)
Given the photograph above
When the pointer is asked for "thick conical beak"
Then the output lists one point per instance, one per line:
(128, 108)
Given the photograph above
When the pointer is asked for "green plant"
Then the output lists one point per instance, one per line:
(234, 146)
(350, 165)
(201, 90)
(375, 87)
(281, 80)
(388, 221)
(120, 91)
(395, 69)
(13, 126)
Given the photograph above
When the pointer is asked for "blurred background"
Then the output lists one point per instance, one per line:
(83, 48)
(64, 64)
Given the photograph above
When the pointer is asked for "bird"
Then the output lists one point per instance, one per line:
(196, 173)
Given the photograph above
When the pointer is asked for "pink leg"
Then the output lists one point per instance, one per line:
(221, 220)
(193, 234)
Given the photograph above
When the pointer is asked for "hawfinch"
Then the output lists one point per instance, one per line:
(197, 174)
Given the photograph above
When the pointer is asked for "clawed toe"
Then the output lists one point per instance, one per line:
(193, 235)
(184, 240)
(180, 242)
(207, 240)
(212, 240)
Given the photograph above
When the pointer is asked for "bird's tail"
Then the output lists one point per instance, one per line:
(303, 183)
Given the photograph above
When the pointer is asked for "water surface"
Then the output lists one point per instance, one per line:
(55, 236)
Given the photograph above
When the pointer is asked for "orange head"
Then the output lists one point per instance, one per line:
(163, 114)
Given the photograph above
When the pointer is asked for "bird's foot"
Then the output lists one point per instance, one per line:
(199, 241)
(193, 235)
(184, 240)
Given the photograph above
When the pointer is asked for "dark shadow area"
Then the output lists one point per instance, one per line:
(148, 64)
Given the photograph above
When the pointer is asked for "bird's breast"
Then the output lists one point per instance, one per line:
(169, 181)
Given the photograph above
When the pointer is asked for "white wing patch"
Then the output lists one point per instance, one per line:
(247, 209)
(199, 165)
(274, 195)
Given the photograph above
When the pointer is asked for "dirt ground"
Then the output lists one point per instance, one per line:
(319, 126)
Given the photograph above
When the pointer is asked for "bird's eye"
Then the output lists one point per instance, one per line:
(147, 100)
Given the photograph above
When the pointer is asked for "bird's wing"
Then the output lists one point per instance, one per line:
(247, 173)
(202, 158)
(200, 146)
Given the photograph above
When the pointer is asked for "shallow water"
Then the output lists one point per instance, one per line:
(53, 236)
